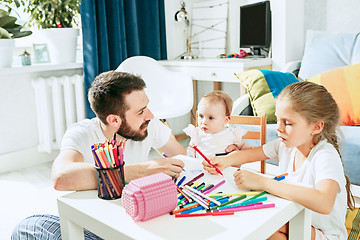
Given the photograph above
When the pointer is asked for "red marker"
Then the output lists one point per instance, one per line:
(206, 159)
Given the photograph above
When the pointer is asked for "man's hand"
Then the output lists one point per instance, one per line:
(169, 166)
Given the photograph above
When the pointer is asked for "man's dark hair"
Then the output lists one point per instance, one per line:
(107, 93)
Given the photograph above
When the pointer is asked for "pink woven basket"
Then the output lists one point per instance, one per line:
(149, 197)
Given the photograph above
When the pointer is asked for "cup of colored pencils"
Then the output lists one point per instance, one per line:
(109, 165)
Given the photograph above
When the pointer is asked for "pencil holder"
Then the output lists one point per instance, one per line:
(110, 182)
(149, 197)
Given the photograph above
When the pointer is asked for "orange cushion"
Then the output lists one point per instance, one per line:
(344, 85)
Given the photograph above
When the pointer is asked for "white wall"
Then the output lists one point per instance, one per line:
(287, 29)
(18, 122)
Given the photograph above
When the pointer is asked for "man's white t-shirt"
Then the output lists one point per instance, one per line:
(322, 163)
(80, 136)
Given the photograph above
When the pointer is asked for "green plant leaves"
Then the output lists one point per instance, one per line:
(53, 14)
(8, 27)
(4, 34)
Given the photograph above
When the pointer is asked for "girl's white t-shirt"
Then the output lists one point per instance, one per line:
(80, 136)
(322, 163)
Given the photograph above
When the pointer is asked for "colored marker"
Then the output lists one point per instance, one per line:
(207, 187)
(203, 195)
(245, 203)
(206, 159)
(182, 193)
(181, 180)
(252, 207)
(195, 178)
(214, 187)
(233, 194)
(229, 202)
(196, 199)
(198, 208)
(204, 214)
(221, 154)
(285, 174)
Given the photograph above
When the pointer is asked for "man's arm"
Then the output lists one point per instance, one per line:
(71, 173)
(169, 166)
(172, 148)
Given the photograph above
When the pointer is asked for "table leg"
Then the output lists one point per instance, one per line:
(193, 110)
(217, 85)
(300, 226)
(70, 230)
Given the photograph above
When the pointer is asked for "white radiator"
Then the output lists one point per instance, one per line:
(60, 101)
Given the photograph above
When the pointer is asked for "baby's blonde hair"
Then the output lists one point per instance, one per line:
(219, 96)
(315, 103)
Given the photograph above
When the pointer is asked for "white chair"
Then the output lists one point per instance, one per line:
(170, 93)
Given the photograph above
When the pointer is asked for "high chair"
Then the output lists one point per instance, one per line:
(170, 93)
(252, 134)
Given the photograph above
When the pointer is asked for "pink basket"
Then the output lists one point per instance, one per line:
(149, 197)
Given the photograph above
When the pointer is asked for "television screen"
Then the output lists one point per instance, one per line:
(255, 26)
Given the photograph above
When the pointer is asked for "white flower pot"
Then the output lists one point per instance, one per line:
(6, 52)
(62, 44)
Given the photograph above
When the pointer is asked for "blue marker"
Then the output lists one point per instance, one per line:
(181, 181)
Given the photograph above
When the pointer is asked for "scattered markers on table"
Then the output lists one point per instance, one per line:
(217, 204)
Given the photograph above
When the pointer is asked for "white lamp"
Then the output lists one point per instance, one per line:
(182, 15)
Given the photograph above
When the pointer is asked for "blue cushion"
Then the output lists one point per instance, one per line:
(325, 51)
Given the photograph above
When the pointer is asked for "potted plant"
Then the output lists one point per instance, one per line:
(57, 19)
(9, 30)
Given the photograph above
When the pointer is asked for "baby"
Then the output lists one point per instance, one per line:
(213, 135)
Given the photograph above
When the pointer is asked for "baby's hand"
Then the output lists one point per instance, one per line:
(231, 148)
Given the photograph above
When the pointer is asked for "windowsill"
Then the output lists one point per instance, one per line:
(40, 67)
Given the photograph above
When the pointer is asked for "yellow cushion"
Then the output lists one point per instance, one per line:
(344, 85)
(263, 86)
(352, 224)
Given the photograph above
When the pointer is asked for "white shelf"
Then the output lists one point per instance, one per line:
(44, 67)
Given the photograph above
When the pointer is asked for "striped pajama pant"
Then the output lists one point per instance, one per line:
(41, 227)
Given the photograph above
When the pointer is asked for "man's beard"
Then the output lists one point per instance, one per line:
(135, 135)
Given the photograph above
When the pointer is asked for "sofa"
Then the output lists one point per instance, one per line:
(326, 54)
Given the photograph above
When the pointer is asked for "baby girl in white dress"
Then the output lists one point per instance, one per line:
(213, 135)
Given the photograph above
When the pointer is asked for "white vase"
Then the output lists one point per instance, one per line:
(62, 44)
(6, 52)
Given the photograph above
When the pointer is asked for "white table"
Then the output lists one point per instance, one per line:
(216, 70)
(108, 219)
